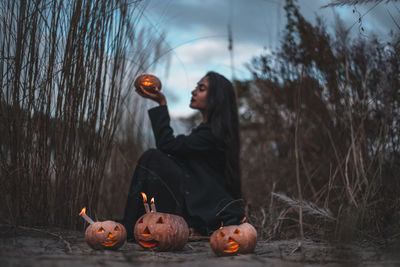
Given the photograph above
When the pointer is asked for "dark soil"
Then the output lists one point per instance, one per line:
(59, 247)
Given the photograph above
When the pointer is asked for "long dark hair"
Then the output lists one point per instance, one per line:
(222, 114)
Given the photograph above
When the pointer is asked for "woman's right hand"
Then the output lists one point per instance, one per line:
(155, 96)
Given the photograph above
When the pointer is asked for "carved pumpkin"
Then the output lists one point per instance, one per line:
(234, 239)
(105, 235)
(161, 231)
(148, 82)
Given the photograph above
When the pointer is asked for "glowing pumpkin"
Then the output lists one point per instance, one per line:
(148, 82)
(234, 239)
(105, 235)
(161, 231)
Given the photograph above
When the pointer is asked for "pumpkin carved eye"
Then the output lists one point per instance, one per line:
(237, 231)
(141, 220)
(101, 230)
(221, 235)
(117, 229)
(160, 220)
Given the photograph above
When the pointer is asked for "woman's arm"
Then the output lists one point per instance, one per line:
(201, 140)
(156, 96)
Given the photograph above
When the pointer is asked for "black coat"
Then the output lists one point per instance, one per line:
(192, 167)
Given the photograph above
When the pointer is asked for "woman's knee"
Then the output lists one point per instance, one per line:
(153, 152)
(152, 155)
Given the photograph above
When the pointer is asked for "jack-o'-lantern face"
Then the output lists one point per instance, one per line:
(105, 235)
(234, 239)
(148, 82)
(161, 231)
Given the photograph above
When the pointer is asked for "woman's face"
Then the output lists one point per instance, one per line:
(199, 95)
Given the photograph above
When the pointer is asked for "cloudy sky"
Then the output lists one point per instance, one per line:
(197, 32)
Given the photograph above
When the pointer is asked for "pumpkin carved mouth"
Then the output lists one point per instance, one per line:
(232, 246)
(148, 244)
(109, 243)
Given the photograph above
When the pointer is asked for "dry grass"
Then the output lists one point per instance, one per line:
(333, 142)
(66, 71)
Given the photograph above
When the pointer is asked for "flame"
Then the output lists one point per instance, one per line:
(83, 211)
(152, 200)
(147, 82)
(144, 197)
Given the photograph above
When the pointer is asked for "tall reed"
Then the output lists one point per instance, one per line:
(66, 70)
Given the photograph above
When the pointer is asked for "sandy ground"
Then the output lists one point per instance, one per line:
(57, 247)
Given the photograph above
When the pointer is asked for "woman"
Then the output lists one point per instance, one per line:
(197, 175)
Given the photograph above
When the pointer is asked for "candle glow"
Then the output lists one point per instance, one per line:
(153, 205)
(84, 216)
(146, 206)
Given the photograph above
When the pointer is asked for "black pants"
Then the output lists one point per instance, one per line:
(156, 176)
(160, 175)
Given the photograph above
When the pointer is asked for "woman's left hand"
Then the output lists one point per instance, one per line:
(156, 96)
